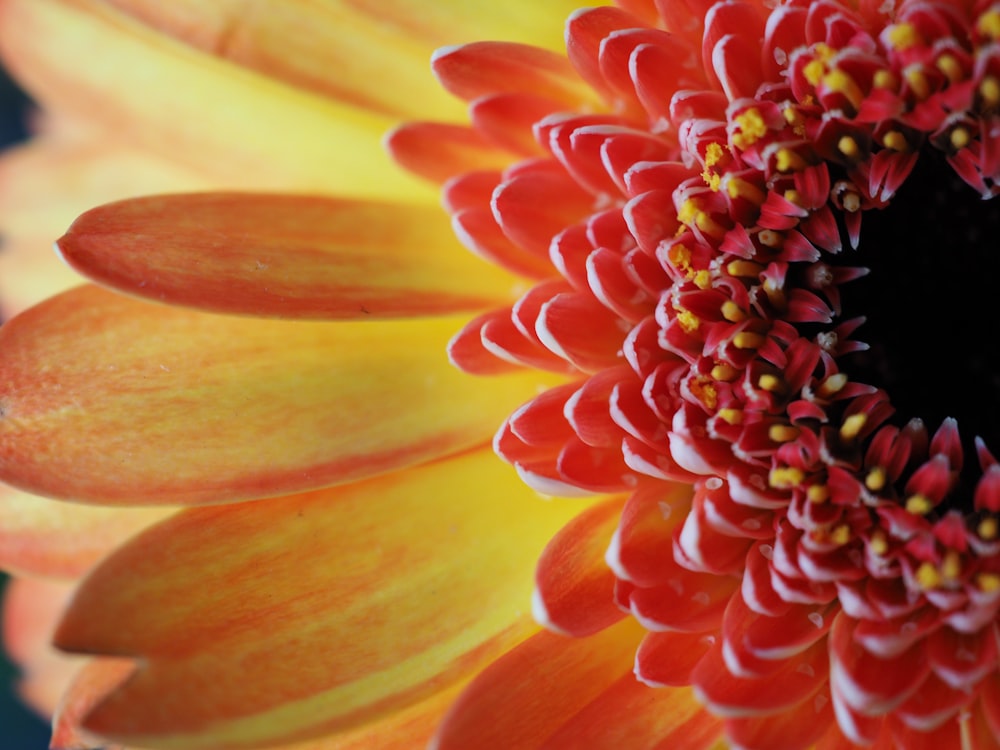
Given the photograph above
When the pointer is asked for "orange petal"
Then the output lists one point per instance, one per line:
(47, 183)
(300, 42)
(89, 686)
(631, 715)
(229, 122)
(523, 697)
(31, 608)
(574, 592)
(44, 537)
(281, 619)
(283, 256)
(111, 400)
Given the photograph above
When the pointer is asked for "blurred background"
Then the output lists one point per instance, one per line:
(20, 729)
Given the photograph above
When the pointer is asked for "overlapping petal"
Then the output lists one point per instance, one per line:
(283, 256)
(116, 401)
(63, 540)
(198, 109)
(340, 605)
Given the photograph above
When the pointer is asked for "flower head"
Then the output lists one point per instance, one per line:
(746, 243)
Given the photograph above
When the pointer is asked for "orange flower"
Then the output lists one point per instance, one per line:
(678, 214)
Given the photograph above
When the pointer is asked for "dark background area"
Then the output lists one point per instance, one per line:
(20, 729)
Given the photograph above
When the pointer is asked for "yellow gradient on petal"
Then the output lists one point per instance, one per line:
(238, 126)
(46, 537)
(348, 52)
(340, 606)
(111, 400)
(460, 21)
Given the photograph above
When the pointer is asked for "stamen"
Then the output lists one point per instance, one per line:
(784, 478)
(875, 479)
(818, 493)
(918, 505)
(852, 427)
(896, 141)
(903, 36)
(782, 433)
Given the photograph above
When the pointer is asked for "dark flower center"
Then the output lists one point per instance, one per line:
(931, 306)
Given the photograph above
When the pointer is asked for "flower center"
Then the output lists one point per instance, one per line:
(930, 304)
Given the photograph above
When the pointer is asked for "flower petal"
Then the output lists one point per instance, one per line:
(51, 180)
(575, 587)
(316, 612)
(31, 607)
(115, 401)
(300, 42)
(520, 699)
(629, 714)
(41, 537)
(227, 121)
(283, 256)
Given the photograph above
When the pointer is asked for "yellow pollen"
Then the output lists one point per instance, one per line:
(959, 138)
(771, 383)
(738, 188)
(928, 576)
(988, 24)
(950, 66)
(895, 141)
(782, 433)
(792, 196)
(789, 161)
(852, 426)
(784, 478)
(951, 567)
(794, 118)
(813, 71)
(832, 385)
(693, 216)
(769, 238)
(744, 268)
(903, 35)
(711, 179)
(748, 340)
(878, 543)
(818, 493)
(987, 529)
(917, 79)
(848, 147)
(988, 582)
(732, 416)
(713, 154)
(918, 505)
(724, 372)
(702, 279)
(841, 535)
(680, 257)
(705, 392)
(989, 89)
(884, 79)
(732, 312)
(752, 128)
(837, 80)
(851, 202)
(875, 480)
(688, 320)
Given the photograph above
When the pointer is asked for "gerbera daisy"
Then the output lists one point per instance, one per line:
(751, 250)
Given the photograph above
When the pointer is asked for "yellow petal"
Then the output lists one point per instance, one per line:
(47, 183)
(162, 95)
(270, 621)
(284, 256)
(46, 537)
(111, 400)
(302, 43)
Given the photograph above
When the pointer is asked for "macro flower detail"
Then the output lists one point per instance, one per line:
(837, 559)
(738, 259)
